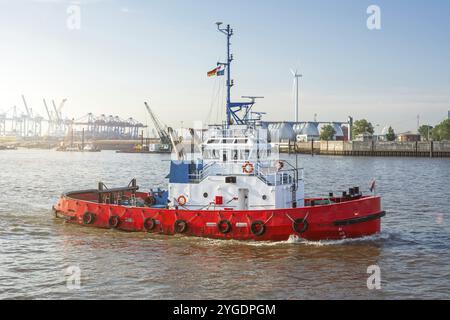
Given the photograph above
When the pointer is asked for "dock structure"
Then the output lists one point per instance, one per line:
(108, 127)
(430, 149)
(24, 123)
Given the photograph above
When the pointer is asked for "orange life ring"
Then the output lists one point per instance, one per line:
(248, 168)
(181, 200)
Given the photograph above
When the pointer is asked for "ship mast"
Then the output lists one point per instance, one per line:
(228, 32)
(233, 108)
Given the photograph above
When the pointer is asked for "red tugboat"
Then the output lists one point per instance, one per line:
(227, 182)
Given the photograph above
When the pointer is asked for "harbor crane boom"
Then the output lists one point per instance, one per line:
(26, 106)
(48, 112)
(61, 105)
(162, 133)
(58, 110)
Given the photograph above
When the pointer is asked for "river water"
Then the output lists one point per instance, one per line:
(36, 250)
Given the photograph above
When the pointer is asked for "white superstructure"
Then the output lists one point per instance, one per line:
(232, 168)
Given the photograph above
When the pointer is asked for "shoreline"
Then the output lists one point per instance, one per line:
(416, 149)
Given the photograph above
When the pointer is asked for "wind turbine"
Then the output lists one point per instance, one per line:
(296, 76)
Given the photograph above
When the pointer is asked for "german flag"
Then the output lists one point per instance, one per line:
(213, 72)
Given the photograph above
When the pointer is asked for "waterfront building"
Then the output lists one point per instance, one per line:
(408, 137)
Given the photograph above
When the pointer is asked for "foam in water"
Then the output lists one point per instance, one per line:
(295, 240)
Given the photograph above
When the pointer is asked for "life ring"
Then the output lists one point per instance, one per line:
(180, 226)
(88, 218)
(258, 228)
(149, 201)
(280, 165)
(113, 222)
(224, 226)
(149, 224)
(300, 225)
(248, 168)
(181, 200)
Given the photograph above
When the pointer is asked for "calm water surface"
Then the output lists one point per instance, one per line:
(413, 251)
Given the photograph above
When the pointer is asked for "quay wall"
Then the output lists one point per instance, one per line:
(432, 149)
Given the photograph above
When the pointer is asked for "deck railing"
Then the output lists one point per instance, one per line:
(269, 174)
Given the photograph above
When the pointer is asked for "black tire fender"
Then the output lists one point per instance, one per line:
(180, 226)
(149, 224)
(258, 228)
(300, 225)
(114, 222)
(224, 226)
(88, 218)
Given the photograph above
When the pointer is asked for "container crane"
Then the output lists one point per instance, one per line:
(48, 111)
(50, 119)
(162, 133)
(26, 107)
(58, 110)
(28, 119)
(59, 122)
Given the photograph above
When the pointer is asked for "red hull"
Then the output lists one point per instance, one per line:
(348, 219)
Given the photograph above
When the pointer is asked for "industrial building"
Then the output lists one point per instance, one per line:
(408, 137)
(304, 131)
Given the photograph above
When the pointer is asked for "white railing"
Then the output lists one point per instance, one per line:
(239, 132)
(275, 177)
(208, 170)
(268, 174)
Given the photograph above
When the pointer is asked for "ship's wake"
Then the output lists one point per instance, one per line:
(376, 239)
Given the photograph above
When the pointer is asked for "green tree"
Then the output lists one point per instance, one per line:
(426, 131)
(362, 126)
(390, 135)
(442, 131)
(327, 133)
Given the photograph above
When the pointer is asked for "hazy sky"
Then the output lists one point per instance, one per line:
(128, 51)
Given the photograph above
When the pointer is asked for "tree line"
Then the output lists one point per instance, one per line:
(438, 133)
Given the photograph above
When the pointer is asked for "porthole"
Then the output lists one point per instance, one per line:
(264, 197)
(205, 195)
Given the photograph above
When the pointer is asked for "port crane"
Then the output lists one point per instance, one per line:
(31, 123)
(58, 110)
(59, 121)
(50, 119)
(162, 133)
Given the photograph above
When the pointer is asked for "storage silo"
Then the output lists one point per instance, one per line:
(338, 133)
(270, 128)
(311, 131)
(298, 127)
(282, 131)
